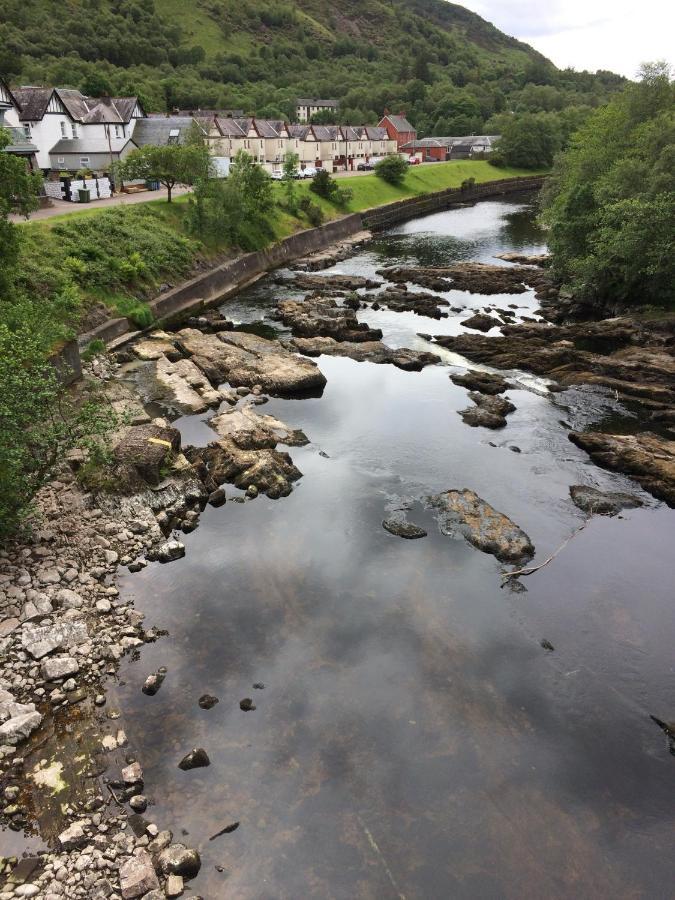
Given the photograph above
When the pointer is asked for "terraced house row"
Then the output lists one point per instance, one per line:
(60, 129)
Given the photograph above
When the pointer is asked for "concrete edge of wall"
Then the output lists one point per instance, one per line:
(230, 277)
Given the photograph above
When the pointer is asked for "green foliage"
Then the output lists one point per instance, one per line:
(392, 169)
(18, 191)
(529, 141)
(39, 422)
(170, 164)
(611, 202)
(324, 186)
(447, 68)
(312, 210)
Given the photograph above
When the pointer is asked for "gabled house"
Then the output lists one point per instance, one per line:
(398, 128)
(52, 115)
(444, 148)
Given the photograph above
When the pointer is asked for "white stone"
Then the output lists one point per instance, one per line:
(59, 667)
(69, 599)
(19, 728)
(132, 774)
(72, 837)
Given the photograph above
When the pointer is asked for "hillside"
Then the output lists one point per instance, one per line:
(448, 68)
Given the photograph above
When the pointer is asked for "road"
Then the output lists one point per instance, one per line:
(64, 207)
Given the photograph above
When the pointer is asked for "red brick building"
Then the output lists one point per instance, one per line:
(399, 129)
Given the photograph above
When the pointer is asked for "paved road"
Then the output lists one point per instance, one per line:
(61, 207)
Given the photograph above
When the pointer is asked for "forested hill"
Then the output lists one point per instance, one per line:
(450, 70)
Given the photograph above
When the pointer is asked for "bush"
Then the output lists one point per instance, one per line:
(323, 185)
(468, 183)
(312, 210)
(392, 169)
(39, 421)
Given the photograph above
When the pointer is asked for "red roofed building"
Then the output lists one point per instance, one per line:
(399, 129)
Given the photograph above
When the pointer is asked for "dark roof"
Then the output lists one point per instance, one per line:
(158, 131)
(84, 145)
(298, 131)
(375, 133)
(230, 127)
(327, 132)
(209, 113)
(400, 123)
(312, 101)
(33, 102)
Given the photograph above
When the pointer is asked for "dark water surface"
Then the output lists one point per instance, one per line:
(413, 739)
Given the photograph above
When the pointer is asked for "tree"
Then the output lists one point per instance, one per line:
(290, 173)
(96, 85)
(391, 169)
(18, 191)
(325, 186)
(610, 203)
(39, 421)
(170, 164)
(528, 141)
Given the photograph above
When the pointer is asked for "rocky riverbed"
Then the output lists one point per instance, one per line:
(227, 410)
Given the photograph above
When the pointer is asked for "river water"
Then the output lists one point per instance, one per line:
(413, 739)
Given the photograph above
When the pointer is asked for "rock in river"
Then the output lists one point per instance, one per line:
(322, 317)
(154, 682)
(480, 322)
(489, 411)
(370, 351)
(399, 526)
(646, 457)
(196, 759)
(246, 359)
(602, 503)
(483, 382)
(179, 860)
(137, 876)
(464, 512)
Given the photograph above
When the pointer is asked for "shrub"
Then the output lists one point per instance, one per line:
(391, 169)
(312, 210)
(323, 185)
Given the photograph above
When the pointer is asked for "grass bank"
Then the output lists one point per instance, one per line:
(83, 266)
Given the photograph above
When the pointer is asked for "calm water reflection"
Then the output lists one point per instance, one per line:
(413, 740)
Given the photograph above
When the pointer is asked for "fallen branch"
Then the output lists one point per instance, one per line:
(530, 570)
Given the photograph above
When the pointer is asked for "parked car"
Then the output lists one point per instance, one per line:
(277, 176)
(413, 161)
(308, 172)
(365, 167)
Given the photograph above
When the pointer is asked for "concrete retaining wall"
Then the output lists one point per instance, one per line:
(403, 210)
(229, 277)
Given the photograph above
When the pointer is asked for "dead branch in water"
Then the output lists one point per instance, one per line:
(530, 570)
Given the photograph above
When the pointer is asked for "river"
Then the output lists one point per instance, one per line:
(413, 739)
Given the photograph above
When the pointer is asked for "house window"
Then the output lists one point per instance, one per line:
(61, 160)
(74, 130)
(26, 130)
(173, 135)
(117, 131)
(84, 161)
(64, 133)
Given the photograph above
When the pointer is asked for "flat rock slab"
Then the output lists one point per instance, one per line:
(323, 317)
(646, 457)
(400, 299)
(39, 640)
(399, 526)
(189, 387)
(370, 351)
(482, 382)
(464, 512)
(602, 503)
(250, 430)
(157, 344)
(476, 278)
(337, 282)
(246, 360)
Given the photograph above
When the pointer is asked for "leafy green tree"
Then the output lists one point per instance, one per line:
(18, 191)
(610, 204)
(391, 169)
(39, 421)
(528, 141)
(170, 164)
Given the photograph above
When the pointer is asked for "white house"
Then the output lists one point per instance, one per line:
(49, 116)
(19, 145)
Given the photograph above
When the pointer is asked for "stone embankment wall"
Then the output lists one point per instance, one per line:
(230, 277)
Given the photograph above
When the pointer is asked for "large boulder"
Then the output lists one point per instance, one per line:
(19, 727)
(179, 860)
(646, 457)
(145, 448)
(464, 512)
(322, 317)
(602, 503)
(39, 640)
(244, 359)
(488, 412)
